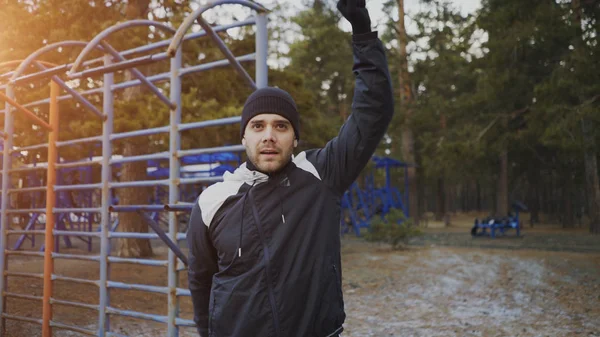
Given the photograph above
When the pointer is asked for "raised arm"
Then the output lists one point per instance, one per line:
(344, 157)
(202, 266)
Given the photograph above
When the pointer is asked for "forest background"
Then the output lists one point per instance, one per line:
(493, 106)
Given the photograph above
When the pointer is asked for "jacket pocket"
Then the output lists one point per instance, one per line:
(330, 314)
(237, 313)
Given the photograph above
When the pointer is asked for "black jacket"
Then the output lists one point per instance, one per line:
(264, 257)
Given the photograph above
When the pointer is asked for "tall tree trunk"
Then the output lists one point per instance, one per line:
(567, 199)
(533, 197)
(478, 201)
(590, 155)
(440, 203)
(591, 178)
(408, 142)
(502, 190)
(135, 171)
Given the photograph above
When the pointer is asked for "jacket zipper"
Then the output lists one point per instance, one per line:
(267, 257)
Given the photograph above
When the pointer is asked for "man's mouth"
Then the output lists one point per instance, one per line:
(269, 152)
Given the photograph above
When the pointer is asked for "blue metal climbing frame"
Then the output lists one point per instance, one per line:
(106, 66)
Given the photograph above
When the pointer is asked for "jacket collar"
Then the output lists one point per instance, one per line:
(248, 173)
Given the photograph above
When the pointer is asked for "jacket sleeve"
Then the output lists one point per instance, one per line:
(202, 265)
(345, 156)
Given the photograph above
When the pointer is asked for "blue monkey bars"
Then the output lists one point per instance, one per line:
(112, 61)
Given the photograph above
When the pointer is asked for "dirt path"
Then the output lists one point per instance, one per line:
(448, 291)
(433, 288)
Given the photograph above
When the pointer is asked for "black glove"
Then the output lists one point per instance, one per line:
(355, 12)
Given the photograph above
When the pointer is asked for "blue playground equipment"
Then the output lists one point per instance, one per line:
(76, 203)
(194, 166)
(492, 226)
(360, 205)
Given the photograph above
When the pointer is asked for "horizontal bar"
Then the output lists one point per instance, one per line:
(122, 85)
(27, 169)
(23, 319)
(43, 73)
(29, 148)
(25, 211)
(26, 232)
(193, 152)
(78, 97)
(33, 117)
(76, 257)
(184, 322)
(77, 187)
(27, 189)
(144, 183)
(135, 314)
(24, 253)
(77, 210)
(79, 141)
(214, 122)
(146, 48)
(145, 132)
(214, 64)
(144, 262)
(114, 334)
(183, 292)
(165, 238)
(153, 156)
(179, 207)
(188, 181)
(149, 317)
(138, 74)
(76, 233)
(28, 275)
(74, 304)
(22, 296)
(141, 287)
(75, 280)
(135, 208)
(155, 78)
(73, 328)
(192, 36)
(138, 61)
(79, 164)
(132, 235)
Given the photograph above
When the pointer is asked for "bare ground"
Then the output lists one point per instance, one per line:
(443, 284)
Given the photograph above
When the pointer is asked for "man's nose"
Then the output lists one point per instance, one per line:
(269, 135)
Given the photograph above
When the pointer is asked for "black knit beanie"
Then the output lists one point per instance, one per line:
(272, 101)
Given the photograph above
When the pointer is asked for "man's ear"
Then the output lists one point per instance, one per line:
(244, 141)
(295, 142)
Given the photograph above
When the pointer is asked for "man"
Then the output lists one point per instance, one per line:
(264, 244)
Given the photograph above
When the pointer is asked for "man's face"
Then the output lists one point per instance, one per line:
(269, 140)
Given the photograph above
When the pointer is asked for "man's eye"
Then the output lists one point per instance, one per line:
(282, 126)
(256, 126)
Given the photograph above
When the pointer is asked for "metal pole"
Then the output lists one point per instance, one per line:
(24, 111)
(6, 164)
(107, 129)
(138, 74)
(174, 147)
(50, 203)
(262, 50)
(228, 54)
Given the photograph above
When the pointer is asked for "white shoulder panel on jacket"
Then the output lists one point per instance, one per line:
(301, 162)
(215, 195)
